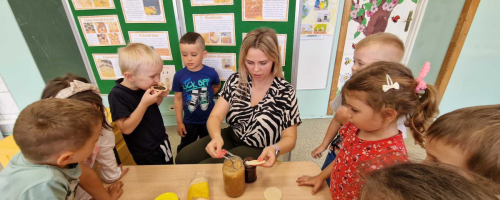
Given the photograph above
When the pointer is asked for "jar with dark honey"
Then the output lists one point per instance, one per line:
(250, 171)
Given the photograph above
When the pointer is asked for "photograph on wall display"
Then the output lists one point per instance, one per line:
(93, 4)
(211, 2)
(264, 10)
(107, 66)
(223, 63)
(157, 40)
(320, 17)
(143, 11)
(101, 30)
(216, 29)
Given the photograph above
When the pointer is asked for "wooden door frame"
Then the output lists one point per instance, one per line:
(457, 42)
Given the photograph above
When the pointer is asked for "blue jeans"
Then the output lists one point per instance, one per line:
(329, 159)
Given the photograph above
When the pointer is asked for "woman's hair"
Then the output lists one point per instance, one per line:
(475, 131)
(60, 83)
(416, 181)
(264, 39)
(419, 109)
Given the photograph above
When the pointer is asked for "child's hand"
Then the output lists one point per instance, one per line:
(314, 181)
(150, 97)
(214, 148)
(181, 130)
(317, 153)
(268, 154)
(124, 171)
(115, 190)
(164, 93)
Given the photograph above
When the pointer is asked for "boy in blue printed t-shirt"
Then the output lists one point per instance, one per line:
(194, 87)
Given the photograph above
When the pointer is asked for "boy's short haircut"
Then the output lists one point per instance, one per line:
(193, 38)
(382, 38)
(50, 126)
(476, 131)
(131, 57)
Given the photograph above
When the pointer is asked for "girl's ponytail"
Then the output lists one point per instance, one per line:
(421, 118)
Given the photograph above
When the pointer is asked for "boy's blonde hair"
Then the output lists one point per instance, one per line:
(50, 126)
(386, 39)
(131, 57)
(264, 39)
(476, 131)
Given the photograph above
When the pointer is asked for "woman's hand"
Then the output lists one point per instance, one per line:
(269, 155)
(214, 148)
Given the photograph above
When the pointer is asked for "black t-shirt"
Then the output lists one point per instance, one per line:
(150, 132)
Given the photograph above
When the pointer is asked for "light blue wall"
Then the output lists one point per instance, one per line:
(476, 78)
(16, 62)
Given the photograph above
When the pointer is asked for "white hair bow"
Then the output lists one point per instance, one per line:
(75, 87)
(390, 85)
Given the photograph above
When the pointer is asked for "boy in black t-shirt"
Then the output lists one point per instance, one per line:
(134, 105)
(194, 87)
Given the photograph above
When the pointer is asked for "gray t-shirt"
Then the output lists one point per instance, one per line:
(24, 180)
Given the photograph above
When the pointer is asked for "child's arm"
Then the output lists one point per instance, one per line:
(110, 171)
(316, 181)
(216, 88)
(92, 185)
(162, 95)
(339, 118)
(181, 129)
(128, 124)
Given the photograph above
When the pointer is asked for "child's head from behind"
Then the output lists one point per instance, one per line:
(412, 181)
(468, 138)
(373, 104)
(192, 46)
(55, 86)
(57, 131)
(377, 47)
(140, 65)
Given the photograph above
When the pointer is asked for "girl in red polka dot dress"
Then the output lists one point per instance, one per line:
(376, 97)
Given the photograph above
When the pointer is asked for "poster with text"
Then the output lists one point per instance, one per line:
(281, 46)
(264, 10)
(157, 40)
(103, 30)
(167, 76)
(211, 2)
(143, 11)
(93, 4)
(319, 17)
(107, 66)
(223, 63)
(216, 29)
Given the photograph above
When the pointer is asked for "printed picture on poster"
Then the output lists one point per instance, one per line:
(157, 40)
(143, 11)
(323, 17)
(223, 63)
(107, 66)
(320, 28)
(167, 76)
(319, 17)
(216, 29)
(265, 10)
(101, 30)
(211, 2)
(93, 4)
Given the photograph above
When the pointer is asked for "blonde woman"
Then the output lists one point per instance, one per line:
(259, 105)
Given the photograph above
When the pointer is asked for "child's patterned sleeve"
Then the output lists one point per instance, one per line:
(382, 161)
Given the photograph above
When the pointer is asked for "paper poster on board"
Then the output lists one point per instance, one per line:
(107, 66)
(93, 4)
(211, 2)
(264, 10)
(157, 40)
(216, 29)
(319, 17)
(281, 46)
(143, 11)
(167, 76)
(103, 30)
(223, 63)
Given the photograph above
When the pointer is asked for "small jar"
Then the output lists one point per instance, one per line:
(234, 176)
(250, 171)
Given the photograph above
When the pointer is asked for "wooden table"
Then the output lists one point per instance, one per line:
(148, 182)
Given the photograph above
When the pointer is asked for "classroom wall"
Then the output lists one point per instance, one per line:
(16, 62)
(475, 80)
(434, 36)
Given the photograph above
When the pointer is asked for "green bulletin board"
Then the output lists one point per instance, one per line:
(106, 85)
(245, 27)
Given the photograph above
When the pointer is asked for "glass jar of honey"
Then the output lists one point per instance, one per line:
(233, 172)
